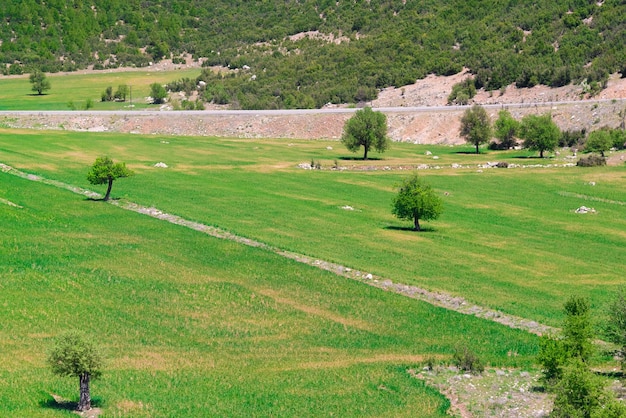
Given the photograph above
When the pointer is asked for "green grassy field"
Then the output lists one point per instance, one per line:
(508, 239)
(196, 326)
(16, 93)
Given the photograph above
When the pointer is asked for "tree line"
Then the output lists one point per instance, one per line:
(534, 132)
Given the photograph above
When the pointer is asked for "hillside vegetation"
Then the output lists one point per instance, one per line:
(367, 46)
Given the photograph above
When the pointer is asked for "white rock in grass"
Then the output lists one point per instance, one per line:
(585, 209)
(161, 165)
(347, 207)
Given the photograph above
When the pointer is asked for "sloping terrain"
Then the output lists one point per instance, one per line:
(432, 123)
(359, 48)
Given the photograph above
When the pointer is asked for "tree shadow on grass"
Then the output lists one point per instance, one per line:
(360, 158)
(470, 153)
(100, 199)
(36, 94)
(424, 229)
(60, 404)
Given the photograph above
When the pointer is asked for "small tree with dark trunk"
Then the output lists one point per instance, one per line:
(39, 81)
(540, 133)
(158, 93)
(366, 128)
(75, 356)
(506, 129)
(476, 126)
(599, 141)
(105, 171)
(416, 200)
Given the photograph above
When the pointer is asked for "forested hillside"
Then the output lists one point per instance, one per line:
(383, 43)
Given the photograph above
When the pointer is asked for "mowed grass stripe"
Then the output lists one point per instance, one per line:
(187, 328)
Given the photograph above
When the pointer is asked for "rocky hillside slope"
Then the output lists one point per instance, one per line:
(570, 108)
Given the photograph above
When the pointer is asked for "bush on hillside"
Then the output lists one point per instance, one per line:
(462, 92)
(466, 360)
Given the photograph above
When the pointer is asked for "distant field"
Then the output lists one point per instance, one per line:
(508, 239)
(195, 326)
(16, 94)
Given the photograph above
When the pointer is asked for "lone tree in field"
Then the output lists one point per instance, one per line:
(540, 133)
(75, 356)
(158, 93)
(506, 128)
(366, 128)
(39, 81)
(416, 200)
(599, 141)
(476, 126)
(105, 171)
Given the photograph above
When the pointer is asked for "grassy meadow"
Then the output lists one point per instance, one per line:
(196, 326)
(16, 93)
(508, 239)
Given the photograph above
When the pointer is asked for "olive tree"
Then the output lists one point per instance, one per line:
(599, 141)
(75, 356)
(506, 128)
(476, 126)
(39, 81)
(158, 93)
(366, 128)
(540, 133)
(105, 171)
(416, 200)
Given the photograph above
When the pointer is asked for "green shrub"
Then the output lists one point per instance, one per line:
(552, 357)
(580, 393)
(571, 138)
(107, 95)
(466, 360)
(462, 92)
(614, 327)
(591, 160)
